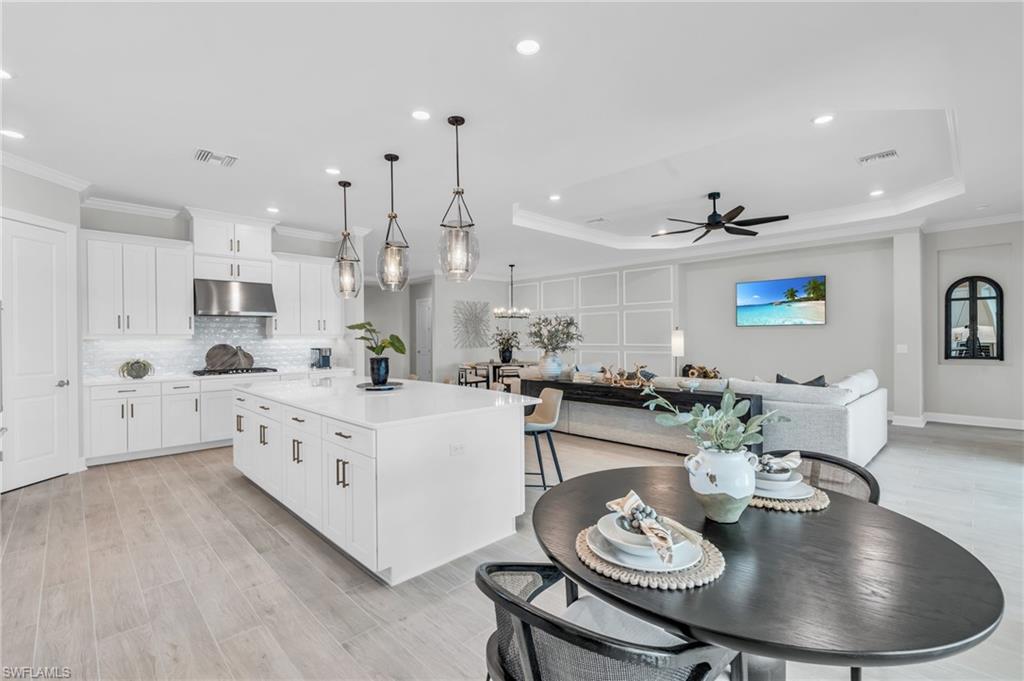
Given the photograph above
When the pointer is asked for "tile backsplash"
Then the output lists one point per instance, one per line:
(181, 356)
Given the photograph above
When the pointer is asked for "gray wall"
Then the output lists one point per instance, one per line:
(32, 195)
(389, 312)
(143, 225)
(981, 388)
(447, 357)
(418, 291)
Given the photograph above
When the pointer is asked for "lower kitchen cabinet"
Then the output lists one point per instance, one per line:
(216, 410)
(268, 456)
(120, 425)
(144, 419)
(181, 420)
(350, 502)
(302, 488)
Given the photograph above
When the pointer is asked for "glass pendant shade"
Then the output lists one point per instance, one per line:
(393, 267)
(511, 312)
(458, 252)
(347, 272)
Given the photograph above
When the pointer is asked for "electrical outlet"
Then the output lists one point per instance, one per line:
(902, 349)
(456, 449)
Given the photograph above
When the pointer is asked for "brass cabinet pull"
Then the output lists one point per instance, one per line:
(344, 473)
(296, 418)
(293, 450)
(343, 435)
(341, 472)
(263, 434)
(238, 423)
(297, 446)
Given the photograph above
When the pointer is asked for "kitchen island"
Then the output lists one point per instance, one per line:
(402, 481)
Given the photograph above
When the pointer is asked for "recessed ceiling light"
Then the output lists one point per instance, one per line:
(554, 197)
(528, 47)
(332, 171)
(13, 134)
(421, 115)
(824, 119)
(4, 75)
(877, 192)
(271, 209)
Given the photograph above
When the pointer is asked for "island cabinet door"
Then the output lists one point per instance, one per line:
(350, 503)
(244, 444)
(302, 488)
(269, 462)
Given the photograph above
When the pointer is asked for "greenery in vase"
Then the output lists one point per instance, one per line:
(712, 428)
(376, 342)
(505, 340)
(554, 334)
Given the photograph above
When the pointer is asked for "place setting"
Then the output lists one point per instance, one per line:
(779, 486)
(636, 545)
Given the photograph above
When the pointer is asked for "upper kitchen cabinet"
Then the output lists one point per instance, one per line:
(306, 302)
(136, 286)
(225, 236)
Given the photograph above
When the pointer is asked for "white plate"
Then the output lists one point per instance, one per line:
(765, 475)
(792, 480)
(683, 556)
(630, 542)
(799, 491)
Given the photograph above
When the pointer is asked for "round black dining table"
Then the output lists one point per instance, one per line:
(853, 585)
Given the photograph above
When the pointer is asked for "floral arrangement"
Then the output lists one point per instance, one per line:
(554, 334)
(715, 429)
(374, 340)
(505, 340)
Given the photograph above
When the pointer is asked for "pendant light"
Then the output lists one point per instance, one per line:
(393, 258)
(347, 273)
(511, 312)
(458, 249)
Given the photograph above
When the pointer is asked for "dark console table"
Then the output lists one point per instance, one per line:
(631, 398)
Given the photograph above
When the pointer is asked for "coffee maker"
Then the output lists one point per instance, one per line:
(320, 358)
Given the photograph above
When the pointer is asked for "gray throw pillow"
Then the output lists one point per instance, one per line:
(817, 382)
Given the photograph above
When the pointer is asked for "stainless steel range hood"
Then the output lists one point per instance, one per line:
(233, 299)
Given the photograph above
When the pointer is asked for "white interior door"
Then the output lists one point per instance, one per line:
(424, 339)
(36, 340)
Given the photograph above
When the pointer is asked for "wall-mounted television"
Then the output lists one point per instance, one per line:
(781, 302)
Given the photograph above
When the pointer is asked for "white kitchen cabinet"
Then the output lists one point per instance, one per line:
(108, 427)
(139, 266)
(302, 484)
(213, 237)
(105, 288)
(216, 411)
(174, 291)
(252, 241)
(144, 419)
(269, 456)
(334, 319)
(181, 420)
(245, 442)
(350, 502)
(320, 311)
(287, 297)
(233, 269)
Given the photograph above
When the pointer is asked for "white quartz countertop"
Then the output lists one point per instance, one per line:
(281, 374)
(339, 398)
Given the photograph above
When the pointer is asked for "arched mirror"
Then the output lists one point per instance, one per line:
(974, 319)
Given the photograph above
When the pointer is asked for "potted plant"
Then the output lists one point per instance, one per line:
(377, 344)
(722, 472)
(505, 341)
(553, 335)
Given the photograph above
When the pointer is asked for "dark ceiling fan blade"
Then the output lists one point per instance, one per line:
(689, 222)
(733, 214)
(706, 232)
(739, 231)
(758, 221)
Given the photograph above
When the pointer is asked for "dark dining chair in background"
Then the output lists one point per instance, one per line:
(590, 640)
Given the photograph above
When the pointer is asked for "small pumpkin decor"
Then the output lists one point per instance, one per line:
(135, 368)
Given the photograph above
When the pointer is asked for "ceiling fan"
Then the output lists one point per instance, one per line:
(728, 222)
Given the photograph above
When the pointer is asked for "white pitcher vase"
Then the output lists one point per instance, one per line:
(722, 481)
(550, 366)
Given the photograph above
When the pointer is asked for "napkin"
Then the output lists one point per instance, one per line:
(773, 464)
(655, 528)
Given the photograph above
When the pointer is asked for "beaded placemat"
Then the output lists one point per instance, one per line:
(817, 502)
(710, 568)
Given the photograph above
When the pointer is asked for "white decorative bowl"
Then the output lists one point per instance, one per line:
(630, 542)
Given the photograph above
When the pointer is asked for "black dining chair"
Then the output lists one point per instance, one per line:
(532, 644)
(835, 474)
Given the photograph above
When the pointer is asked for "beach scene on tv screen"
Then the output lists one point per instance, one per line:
(781, 302)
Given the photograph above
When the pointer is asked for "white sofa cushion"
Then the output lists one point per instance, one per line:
(860, 383)
(787, 392)
(707, 385)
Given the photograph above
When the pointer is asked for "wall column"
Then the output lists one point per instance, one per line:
(908, 330)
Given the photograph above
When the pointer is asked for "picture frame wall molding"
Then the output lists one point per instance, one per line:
(669, 285)
(668, 318)
(549, 301)
(603, 275)
(602, 342)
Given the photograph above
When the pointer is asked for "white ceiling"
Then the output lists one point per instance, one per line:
(631, 113)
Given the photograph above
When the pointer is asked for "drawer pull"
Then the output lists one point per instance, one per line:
(342, 435)
(127, 390)
(178, 387)
(298, 420)
(240, 399)
(264, 407)
(341, 472)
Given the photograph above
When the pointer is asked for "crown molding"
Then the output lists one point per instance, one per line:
(130, 208)
(204, 213)
(302, 233)
(23, 165)
(1005, 219)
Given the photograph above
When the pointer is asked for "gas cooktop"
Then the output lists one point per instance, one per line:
(225, 372)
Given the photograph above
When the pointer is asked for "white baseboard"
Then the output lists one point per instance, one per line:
(908, 421)
(968, 420)
(132, 456)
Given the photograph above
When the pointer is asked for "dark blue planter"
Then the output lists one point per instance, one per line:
(379, 370)
(506, 356)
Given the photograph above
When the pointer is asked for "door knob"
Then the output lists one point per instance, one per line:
(63, 383)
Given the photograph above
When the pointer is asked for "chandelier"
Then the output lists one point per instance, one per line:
(511, 312)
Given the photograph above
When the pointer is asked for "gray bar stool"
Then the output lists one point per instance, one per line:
(543, 420)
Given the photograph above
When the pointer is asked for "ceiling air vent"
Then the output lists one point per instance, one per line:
(213, 158)
(887, 155)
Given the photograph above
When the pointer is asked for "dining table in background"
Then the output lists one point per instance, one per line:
(854, 585)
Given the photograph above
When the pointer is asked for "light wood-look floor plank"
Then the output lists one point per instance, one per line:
(66, 636)
(183, 644)
(128, 656)
(224, 608)
(255, 654)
